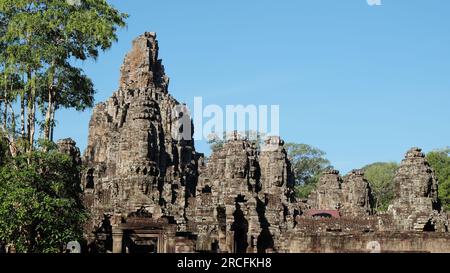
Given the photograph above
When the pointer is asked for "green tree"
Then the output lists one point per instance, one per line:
(3, 150)
(77, 31)
(440, 162)
(10, 85)
(40, 206)
(40, 39)
(381, 178)
(75, 90)
(308, 163)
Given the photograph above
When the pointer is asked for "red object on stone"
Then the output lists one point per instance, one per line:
(323, 213)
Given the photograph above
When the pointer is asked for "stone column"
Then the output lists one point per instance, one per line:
(170, 241)
(162, 243)
(117, 235)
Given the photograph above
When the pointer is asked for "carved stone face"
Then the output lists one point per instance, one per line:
(239, 169)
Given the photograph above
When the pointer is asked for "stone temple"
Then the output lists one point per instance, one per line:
(148, 192)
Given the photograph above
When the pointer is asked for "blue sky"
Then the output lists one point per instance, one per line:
(363, 83)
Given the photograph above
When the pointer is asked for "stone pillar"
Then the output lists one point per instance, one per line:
(170, 243)
(162, 243)
(117, 235)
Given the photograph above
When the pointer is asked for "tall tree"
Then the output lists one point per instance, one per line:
(11, 85)
(381, 178)
(41, 39)
(440, 162)
(308, 163)
(75, 90)
(79, 31)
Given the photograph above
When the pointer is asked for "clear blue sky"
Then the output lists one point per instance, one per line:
(363, 83)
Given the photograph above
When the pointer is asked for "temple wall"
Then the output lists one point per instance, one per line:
(360, 243)
(242, 199)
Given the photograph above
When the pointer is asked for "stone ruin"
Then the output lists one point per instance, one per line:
(132, 160)
(244, 199)
(417, 205)
(350, 196)
(148, 191)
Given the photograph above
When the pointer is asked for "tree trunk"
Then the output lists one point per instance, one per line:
(12, 135)
(5, 116)
(29, 99)
(22, 114)
(48, 115)
(5, 104)
(1, 110)
(51, 99)
(52, 119)
(31, 111)
(32, 118)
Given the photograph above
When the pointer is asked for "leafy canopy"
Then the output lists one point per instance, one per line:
(308, 163)
(440, 162)
(39, 41)
(381, 179)
(40, 208)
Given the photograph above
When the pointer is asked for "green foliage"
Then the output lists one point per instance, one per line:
(381, 178)
(440, 162)
(303, 191)
(76, 90)
(308, 163)
(39, 41)
(40, 208)
(3, 150)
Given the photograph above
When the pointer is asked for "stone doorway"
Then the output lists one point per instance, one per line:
(141, 243)
(143, 234)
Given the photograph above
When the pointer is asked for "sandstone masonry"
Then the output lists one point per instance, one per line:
(147, 191)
